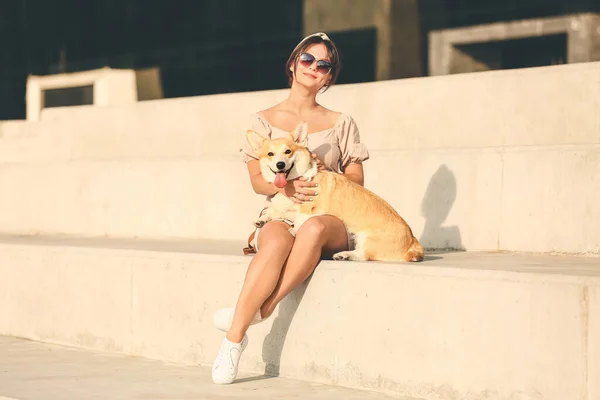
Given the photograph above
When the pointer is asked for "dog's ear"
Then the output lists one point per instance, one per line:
(255, 140)
(300, 134)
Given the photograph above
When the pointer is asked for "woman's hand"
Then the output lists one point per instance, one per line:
(320, 165)
(300, 191)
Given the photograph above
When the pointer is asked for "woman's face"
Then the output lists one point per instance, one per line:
(312, 67)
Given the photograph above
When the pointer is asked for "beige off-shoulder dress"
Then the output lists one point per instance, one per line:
(336, 147)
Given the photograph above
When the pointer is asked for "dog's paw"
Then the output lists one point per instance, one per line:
(259, 223)
(341, 256)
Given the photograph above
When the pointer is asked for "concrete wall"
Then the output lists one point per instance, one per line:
(459, 327)
(502, 160)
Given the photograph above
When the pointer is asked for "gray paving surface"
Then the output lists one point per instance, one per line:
(37, 371)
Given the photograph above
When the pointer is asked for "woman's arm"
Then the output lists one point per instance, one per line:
(355, 173)
(259, 184)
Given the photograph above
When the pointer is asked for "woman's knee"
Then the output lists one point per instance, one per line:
(274, 236)
(325, 231)
(314, 229)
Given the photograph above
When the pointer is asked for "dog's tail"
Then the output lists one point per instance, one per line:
(415, 252)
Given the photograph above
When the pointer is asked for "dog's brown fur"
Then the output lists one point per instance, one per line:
(380, 233)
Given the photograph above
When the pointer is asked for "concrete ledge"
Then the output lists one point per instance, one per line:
(519, 199)
(458, 326)
(503, 160)
(110, 87)
(11, 128)
(530, 107)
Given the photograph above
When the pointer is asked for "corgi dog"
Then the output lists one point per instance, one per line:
(379, 232)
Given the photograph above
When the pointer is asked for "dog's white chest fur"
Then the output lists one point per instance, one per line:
(281, 208)
(283, 205)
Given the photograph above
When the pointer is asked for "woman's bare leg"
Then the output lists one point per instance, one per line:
(317, 236)
(274, 243)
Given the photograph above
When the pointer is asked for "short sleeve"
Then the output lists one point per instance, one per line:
(351, 149)
(247, 153)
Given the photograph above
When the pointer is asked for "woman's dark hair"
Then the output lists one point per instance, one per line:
(334, 57)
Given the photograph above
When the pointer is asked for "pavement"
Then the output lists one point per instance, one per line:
(38, 371)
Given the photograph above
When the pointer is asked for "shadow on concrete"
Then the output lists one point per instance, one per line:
(275, 339)
(253, 378)
(435, 207)
(429, 257)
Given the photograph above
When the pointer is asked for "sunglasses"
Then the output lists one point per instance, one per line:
(306, 60)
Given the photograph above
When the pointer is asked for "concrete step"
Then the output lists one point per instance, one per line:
(552, 105)
(32, 370)
(474, 199)
(482, 161)
(457, 326)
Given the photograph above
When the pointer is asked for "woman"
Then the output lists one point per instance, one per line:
(283, 262)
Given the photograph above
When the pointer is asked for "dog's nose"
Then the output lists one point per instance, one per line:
(280, 165)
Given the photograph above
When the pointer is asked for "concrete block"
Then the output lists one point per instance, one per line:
(49, 297)
(170, 168)
(110, 87)
(591, 319)
(537, 106)
(173, 198)
(549, 199)
(447, 196)
(457, 326)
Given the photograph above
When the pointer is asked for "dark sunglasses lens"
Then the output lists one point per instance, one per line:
(323, 67)
(306, 59)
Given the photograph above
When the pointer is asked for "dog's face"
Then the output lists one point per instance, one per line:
(282, 159)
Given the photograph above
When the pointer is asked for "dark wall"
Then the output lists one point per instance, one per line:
(201, 46)
(358, 54)
(12, 67)
(205, 46)
(472, 12)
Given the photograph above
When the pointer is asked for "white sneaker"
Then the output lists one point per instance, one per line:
(225, 367)
(224, 317)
